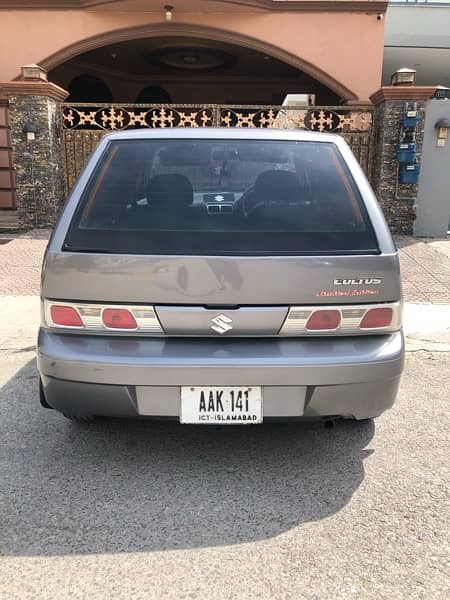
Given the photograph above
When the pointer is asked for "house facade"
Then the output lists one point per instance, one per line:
(417, 35)
(111, 64)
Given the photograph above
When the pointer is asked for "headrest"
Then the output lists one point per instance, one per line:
(278, 187)
(172, 189)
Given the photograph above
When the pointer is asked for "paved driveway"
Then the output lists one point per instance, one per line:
(141, 509)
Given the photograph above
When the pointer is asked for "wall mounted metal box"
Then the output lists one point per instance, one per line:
(410, 119)
(406, 153)
(409, 173)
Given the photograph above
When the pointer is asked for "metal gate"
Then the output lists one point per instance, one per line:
(83, 125)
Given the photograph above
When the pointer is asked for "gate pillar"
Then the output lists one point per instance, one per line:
(397, 199)
(32, 104)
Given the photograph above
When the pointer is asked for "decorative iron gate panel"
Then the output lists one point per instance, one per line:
(83, 125)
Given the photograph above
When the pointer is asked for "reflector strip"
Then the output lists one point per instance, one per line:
(348, 188)
(90, 202)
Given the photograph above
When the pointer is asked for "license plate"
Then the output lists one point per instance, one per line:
(221, 405)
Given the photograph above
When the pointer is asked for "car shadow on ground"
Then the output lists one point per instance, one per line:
(130, 486)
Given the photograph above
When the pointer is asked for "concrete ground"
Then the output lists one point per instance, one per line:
(141, 509)
(425, 269)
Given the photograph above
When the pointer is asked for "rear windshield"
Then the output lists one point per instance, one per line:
(215, 197)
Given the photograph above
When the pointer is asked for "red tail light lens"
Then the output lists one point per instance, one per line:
(118, 318)
(376, 318)
(67, 316)
(322, 320)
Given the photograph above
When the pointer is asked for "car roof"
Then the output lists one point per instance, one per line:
(224, 133)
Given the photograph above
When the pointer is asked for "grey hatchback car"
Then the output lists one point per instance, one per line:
(221, 276)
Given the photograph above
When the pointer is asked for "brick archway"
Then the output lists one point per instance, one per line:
(200, 32)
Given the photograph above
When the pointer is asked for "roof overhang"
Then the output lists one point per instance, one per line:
(367, 6)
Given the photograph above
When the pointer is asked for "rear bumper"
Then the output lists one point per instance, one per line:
(350, 377)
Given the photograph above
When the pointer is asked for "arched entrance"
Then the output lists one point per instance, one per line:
(88, 88)
(228, 64)
(200, 77)
(189, 70)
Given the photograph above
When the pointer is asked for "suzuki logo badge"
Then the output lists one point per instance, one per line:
(221, 324)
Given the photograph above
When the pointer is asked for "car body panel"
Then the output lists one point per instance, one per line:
(193, 280)
(163, 361)
(300, 378)
(125, 375)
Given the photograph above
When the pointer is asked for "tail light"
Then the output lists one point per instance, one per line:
(376, 318)
(65, 316)
(118, 318)
(99, 317)
(343, 320)
(305, 321)
(324, 320)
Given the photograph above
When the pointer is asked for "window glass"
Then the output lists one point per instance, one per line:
(219, 197)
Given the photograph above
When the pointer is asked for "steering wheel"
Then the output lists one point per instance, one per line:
(245, 204)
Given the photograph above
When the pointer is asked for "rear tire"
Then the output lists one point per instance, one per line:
(87, 420)
(42, 399)
(362, 424)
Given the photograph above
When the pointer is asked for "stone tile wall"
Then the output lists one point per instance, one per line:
(38, 168)
(397, 202)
